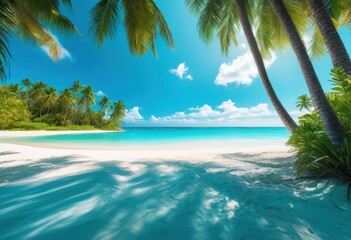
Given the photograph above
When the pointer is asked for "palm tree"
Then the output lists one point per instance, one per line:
(142, 20)
(76, 89)
(36, 93)
(104, 103)
(336, 47)
(66, 101)
(37, 89)
(227, 16)
(15, 88)
(26, 84)
(25, 18)
(87, 99)
(304, 102)
(329, 119)
(49, 99)
(119, 111)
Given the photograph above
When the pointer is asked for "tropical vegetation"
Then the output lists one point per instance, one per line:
(38, 106)
(316, 156)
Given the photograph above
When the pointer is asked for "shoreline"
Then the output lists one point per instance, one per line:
(206, 145)
(39, 133)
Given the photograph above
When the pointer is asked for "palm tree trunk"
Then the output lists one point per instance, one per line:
(64, 120)
(329, 119)
(278, 106)
(336, 47)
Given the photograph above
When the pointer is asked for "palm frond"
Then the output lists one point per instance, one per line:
(315, 43)
(48, 11)
(67, 3)
(265, 28)
(195, 6)
(346, 13)
(62, 23)
(335, 8)
(6, 25)
(229, 27)
(298, 15)
(105, 16)
(140, 23)
(162, 26)
(209, 20)
(29, 27)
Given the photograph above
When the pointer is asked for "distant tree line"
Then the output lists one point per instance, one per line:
(37, 106)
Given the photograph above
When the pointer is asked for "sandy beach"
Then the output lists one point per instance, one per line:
(205, 151)
(236, 192)
(14, 134)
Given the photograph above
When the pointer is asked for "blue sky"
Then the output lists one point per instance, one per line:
(193, 85)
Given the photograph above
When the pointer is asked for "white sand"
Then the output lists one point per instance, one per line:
(227, 190)
(13, 134)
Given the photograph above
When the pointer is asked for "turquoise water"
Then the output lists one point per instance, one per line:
(164, 135)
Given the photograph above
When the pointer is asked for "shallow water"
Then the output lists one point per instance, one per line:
(163, 135)
(249, 198)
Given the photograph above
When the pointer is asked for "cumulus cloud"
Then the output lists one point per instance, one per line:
(100, 93)
(133, 115)
(241, 71)
(182, 72)
(225, 114)
(64, 54)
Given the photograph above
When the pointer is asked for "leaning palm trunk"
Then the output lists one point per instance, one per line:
(244, 19)
(329, 119)
(336, 47)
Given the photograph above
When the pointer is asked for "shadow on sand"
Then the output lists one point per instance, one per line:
(163, 200)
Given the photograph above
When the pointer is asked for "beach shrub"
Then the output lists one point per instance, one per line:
(12, 109)
(316, 156)
(28, 126)
(71, 127)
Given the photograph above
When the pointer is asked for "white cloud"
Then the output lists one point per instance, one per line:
(100, 93)
(133, 115)
(182, 72)
(64, 54)
(205, 111)
(225, 114)
(241, 71)
(243, 45)
(189, 77)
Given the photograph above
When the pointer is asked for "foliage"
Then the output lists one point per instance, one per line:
(48, 109)
(316, 156)
(117, 115)
(29, 126)
(23, 126)
(30, 20)
(12, 109)
(142, 19)
(304, 102)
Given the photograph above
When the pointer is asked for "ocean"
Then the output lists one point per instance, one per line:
(164, 135)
